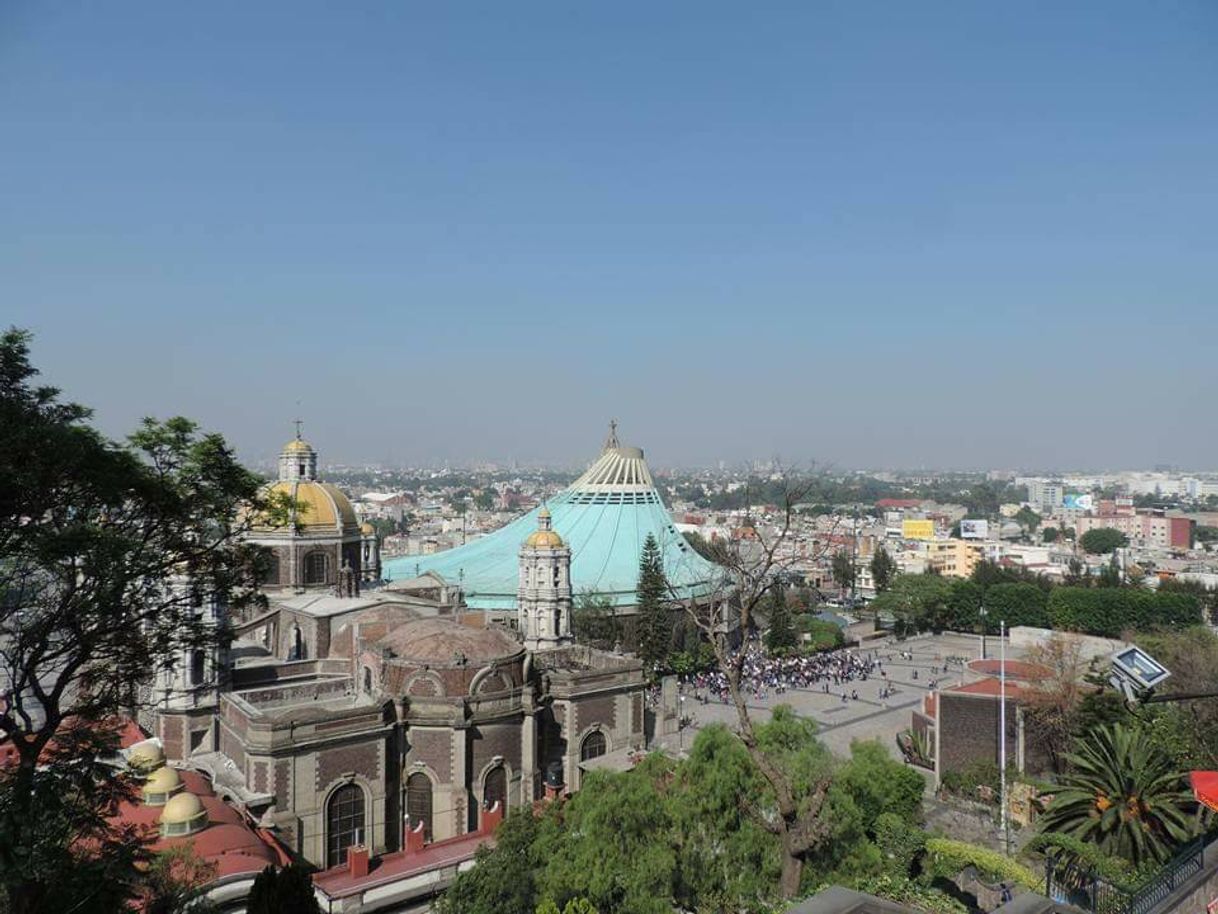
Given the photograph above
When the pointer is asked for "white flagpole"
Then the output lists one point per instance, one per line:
(1002, 732)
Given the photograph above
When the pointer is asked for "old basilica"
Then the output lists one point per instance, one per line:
(352, 711)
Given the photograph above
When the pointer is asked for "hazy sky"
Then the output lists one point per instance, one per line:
(864, 233)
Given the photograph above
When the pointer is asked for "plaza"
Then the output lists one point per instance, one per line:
(910, 667)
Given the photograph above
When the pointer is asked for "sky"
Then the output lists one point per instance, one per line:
(857, 233)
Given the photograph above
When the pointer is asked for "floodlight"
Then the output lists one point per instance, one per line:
(1135, 672)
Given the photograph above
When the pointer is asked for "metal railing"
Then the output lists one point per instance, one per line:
(1083, 887)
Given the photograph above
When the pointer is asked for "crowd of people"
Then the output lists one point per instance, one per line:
(760, 675)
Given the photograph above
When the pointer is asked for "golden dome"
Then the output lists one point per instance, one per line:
(161, 785)
(298, 446)
(319, 505)
(544, 539)
(544, 512)
(146, 756)
(182, 815)
(367, 529)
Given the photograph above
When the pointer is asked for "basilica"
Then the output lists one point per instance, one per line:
(354, 712)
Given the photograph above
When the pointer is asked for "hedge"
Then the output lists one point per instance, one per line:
(949, 859)
(1109, 611)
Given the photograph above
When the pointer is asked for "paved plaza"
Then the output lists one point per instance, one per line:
(867, 717)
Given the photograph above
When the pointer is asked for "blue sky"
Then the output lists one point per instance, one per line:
(874, 234)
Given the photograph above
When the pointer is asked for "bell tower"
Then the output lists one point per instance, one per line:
(298, 460)
(544, 594)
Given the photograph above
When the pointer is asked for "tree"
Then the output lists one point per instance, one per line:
(503, 878)
(110, 554)
(781, 635)
(594, 620)
(917, 601)
(1110, 574)
(1123, 795)
(883, 569)
(655, 621)
(843, 570)
(1050, 534)
(1027, 518)
(175, 883)
(1054, 702)
(289, 889)
(795, 814)
(1102, 540)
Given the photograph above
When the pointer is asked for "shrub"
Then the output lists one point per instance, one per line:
(1108, 611)
(898, 843)
(948, 858)
(903, 890)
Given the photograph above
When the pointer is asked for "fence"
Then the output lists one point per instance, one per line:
(1084, 888)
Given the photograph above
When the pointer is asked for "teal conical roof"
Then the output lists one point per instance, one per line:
(604, 518)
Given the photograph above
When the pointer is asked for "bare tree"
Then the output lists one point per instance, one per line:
(750, 572)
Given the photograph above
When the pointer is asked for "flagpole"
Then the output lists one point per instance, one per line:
(1002, 734)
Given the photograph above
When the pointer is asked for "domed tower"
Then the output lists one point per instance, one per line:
(544, 594)
(319, 544)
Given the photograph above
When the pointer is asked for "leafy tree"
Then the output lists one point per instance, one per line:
(109, 552)
(883, 569)
(655, 622)
(879, 784)
(1123, 795)
(780, 636)
(1110, 611)
(1205, 535)
(843, 569)
(277, 891)
(1050, 534)
(485, 500)
(503, 878)
(1188, 729)
(1027, 518)
(594, 620)
(917, 601)
(1102, 540)
(1206, 596)
(608, 845)
(1110, 574)
(175, 883)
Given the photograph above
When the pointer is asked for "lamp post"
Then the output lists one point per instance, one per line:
(1002, 734)
(981, 614)
(680, 724)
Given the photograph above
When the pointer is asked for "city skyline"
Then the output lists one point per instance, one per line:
(948, 236)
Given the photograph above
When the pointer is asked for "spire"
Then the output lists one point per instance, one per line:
(611, 442)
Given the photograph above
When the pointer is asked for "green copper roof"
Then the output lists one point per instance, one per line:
(604, 517)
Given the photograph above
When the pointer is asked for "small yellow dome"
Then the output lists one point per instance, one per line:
(161, 785)
(544, 539)
(146, 756)
(298, 446)
(544, 512)
(182, 814)
(367, 529)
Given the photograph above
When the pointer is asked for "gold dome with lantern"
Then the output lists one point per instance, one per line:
(313, 532)
(544, 536)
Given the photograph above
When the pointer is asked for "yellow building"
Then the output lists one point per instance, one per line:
(954, 558)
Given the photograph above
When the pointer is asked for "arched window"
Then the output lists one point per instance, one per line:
(297, 649)
(271, 574)
(344, 822)
(317, 568)
(197, 667)
(418, 802)
(593, 746)
(367, 680)
(494, 789)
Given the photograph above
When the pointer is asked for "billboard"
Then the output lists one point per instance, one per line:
(974, 529)
(1077, 502)
(918, 529)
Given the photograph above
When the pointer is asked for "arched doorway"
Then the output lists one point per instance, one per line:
(418, 802)
(296, 644)
(344, 822)
(494, 789)
(593, 746)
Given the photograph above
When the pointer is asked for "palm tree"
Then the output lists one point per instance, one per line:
(1123, 794)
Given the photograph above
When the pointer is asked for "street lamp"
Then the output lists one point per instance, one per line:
(680, 724)
(981, 614)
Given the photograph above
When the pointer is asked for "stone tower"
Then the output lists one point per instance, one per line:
(544, 595)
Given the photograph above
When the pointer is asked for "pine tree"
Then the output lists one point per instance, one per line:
(655, 624)
(286, 891)
(781, 636)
